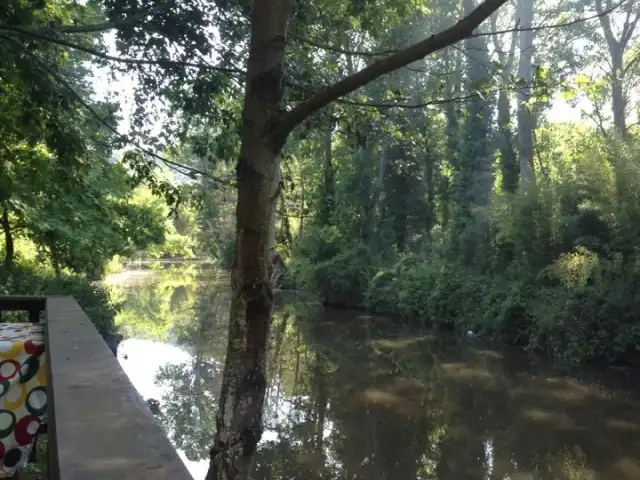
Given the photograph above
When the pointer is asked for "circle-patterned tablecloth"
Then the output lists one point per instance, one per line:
(23, 394)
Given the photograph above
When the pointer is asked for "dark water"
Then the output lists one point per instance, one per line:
(355, 397)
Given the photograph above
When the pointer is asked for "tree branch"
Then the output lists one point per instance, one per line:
(632, 26)
(170, 163)
(101, 27)
(439, 101)
(9, 30)
(462, 29)
(342, 51)
(570, 23)
(382, 53)
(410, 105)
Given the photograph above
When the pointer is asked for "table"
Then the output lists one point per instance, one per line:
(23, 393)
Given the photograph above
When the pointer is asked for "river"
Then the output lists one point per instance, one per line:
(358, 397)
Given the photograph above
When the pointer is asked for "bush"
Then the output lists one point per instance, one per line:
(594, 320)
(32, 279)
(338, 270)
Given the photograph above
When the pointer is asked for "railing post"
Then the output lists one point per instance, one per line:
(33, 305)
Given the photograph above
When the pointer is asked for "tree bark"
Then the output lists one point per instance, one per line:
(239, 418)
(477, 157)
(9, 249)
(525, 74)
(429, 169)
(453, 134)
(372, 210)
(508, 160)
(618, 100)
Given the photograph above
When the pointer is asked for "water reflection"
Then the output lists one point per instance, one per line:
(354, 397)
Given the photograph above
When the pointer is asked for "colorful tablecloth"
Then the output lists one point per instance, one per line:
(23, 394)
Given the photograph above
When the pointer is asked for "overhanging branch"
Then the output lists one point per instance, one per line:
(170, 163)
(461, 30)
(535, 28)
(382, 53)
(435, 101)
(101, 27)
(410, 106)
(10, 30)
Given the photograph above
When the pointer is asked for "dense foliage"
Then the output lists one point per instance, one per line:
(406, 157)
(67, 204)
(415, 211)
(402, 197)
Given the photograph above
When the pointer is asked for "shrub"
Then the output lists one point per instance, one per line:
(32, 279)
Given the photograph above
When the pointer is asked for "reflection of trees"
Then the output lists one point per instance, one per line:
(380, 427)
(352, 398)
(152, 306)
(188, 413)
(394, 403)
(191, 390)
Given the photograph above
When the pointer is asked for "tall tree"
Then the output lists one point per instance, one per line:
(266, 125)
(265, 130)
(506, 58)
(526, 122)
(617, 45)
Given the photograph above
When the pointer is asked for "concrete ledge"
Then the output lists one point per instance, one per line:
(99, 427)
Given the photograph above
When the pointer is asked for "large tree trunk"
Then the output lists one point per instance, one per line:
(477, 154)
(429, 169)
(373, 213)
(453, 134)
(239, 418)
(9, 249)
(618, 99)
(508, 159)
(526, 122)
(327, 202)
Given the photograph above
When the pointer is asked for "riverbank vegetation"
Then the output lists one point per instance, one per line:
(553, 267)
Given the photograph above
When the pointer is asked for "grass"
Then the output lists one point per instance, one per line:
(38, 469)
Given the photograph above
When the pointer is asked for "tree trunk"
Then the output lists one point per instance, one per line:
(477, 153)
(9, 249)
(327, 202)
(239, 418)
(617, 47)
(619, 102)
(429, 168)
(372, 213)
(265, 129)
(508, 161)
(453, 135)
(55, 256)
(525, 75)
